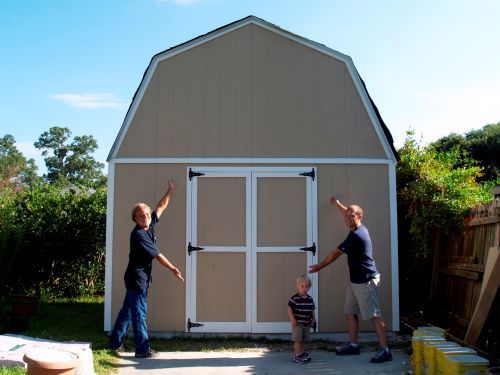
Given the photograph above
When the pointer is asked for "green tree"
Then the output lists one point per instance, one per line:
(435, 192)
(483, 145)
(15, 170)
(70, 163)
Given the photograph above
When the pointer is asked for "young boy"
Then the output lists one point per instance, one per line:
(301, 312)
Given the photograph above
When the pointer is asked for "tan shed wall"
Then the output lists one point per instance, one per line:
(366, 185)
(251, 93)
(147, 183)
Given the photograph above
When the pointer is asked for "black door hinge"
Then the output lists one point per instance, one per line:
(311, 174)
(193, 248)
(194, 174)
(192, 325)
(312, 248)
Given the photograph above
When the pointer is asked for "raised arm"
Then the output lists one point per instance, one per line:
(342, 209)
(165, 200)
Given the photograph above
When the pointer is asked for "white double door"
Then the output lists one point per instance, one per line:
(250, 233)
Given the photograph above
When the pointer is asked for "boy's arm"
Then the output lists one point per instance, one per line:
(290, 315)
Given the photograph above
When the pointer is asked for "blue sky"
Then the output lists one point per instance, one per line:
(429, 65)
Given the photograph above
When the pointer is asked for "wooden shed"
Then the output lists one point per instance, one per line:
(259, 127)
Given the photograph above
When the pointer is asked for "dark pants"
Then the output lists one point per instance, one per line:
(134, 310)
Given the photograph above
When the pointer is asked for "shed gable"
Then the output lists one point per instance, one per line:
(251, 92)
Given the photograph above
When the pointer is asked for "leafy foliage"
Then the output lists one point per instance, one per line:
(435, 191)
(70, 163)
(15, 169)
(52, 242)
(482, 145)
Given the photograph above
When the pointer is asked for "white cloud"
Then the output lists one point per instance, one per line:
(91, 100)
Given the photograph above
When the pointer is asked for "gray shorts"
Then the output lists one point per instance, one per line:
(301, 333)
(363, 299)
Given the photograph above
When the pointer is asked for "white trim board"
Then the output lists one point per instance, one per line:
(361, 161)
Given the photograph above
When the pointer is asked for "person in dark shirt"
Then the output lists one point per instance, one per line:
(363, 290)
(137, 277)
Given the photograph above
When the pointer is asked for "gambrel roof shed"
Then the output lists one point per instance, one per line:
(273, 124)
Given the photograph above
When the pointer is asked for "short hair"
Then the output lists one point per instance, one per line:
(304, 278)
(356, 210)
(136, 207)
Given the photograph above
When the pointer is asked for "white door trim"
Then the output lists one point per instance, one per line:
(251, 174)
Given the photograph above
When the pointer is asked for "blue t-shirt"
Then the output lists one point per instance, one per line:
(142, 252)
(358, 247)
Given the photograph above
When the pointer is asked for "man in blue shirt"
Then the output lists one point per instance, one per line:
(137, 277)
(363, 290)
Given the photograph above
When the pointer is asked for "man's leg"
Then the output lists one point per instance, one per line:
(379, 325)
(353, 327)
(138, 307)
(121, 326)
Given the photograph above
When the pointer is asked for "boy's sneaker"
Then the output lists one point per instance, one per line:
(306, 356)
(299, 359)
(383, 355)
(150, 353)
(348, 349)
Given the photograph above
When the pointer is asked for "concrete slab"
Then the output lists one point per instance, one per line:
(261, 362)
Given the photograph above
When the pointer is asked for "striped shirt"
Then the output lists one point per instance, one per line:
(302, 308)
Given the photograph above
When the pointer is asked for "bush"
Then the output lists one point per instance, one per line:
(52, 242)
(435, 191)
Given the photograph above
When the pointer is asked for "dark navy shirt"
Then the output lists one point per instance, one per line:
(358, 247)
(142, 252)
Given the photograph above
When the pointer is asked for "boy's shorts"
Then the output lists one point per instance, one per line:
(301, 333)
(363, 299)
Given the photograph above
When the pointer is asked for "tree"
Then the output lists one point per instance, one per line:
(435, 191)
(483, 145)
(15, 169)
(70, 163)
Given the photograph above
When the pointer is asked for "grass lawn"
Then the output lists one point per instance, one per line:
(82, 320)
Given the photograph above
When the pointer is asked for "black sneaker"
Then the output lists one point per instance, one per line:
(306, 356)
(383, 355)
(348, 350)
(299, 359)
(150, 353)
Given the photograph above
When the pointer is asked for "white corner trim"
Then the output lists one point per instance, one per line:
(394, 247)
(108, 283)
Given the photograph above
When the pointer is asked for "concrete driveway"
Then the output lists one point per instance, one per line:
(261, 362)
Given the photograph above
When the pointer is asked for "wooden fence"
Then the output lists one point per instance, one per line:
(464, 291)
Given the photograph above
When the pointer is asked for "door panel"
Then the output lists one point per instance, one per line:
(281, 210)
(277, 273)
(221, 211)
(221, 287)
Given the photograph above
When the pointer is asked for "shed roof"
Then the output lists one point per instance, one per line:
(379, 124)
